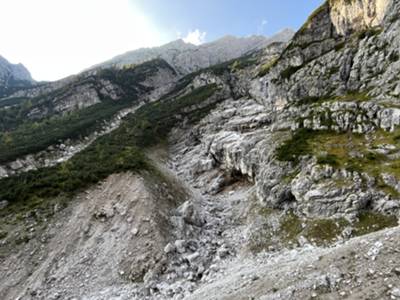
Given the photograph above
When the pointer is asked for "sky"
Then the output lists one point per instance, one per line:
(58, 38)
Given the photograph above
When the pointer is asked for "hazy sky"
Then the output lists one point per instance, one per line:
(57, 38)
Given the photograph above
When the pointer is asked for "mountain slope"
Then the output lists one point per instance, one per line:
(89, 105)
(187, 58)
(270, 176)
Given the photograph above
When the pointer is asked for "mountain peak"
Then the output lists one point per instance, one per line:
(13, 71)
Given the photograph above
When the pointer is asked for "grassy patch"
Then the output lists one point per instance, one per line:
(151, 123)
(299, 145)
(244, 62)
(291, 227)
(323, 232)
(370, 222)
(265, 68)
(357, 96)
(318, 231)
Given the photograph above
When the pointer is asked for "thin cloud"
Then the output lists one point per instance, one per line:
(261, 26)
(195, 37)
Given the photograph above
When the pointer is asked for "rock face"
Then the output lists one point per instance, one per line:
(350, 16)
(13, 77)
(187, 58)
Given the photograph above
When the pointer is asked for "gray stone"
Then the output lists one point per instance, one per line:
(169, 248)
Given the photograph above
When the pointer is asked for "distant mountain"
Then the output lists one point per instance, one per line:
(187, 58)
(13, 77)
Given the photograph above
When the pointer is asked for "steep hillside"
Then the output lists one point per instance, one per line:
(50, 128)
(270, 176)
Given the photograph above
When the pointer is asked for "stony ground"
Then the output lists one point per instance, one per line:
(116, 231)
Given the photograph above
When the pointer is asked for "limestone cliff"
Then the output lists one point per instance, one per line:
(354, 15)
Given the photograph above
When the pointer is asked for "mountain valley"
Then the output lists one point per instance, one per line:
(246, 168)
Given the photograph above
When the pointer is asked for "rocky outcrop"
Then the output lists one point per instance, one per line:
(349, 16)
(76, 97)
(321, 63)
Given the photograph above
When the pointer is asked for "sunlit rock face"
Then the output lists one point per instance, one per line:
(352, 15)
